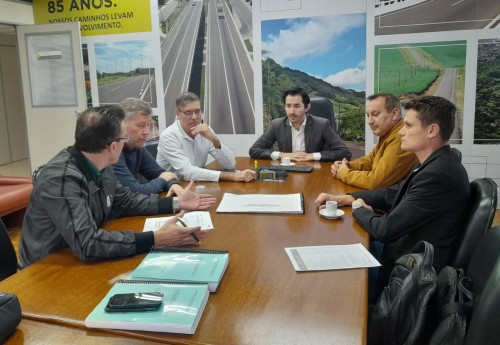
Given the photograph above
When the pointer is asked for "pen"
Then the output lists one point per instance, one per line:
(256, 165)
(192, 235)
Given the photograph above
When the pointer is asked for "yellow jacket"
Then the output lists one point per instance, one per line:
(384, 166)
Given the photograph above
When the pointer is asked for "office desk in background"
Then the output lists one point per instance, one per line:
(261, 299)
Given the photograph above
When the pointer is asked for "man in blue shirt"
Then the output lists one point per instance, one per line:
(135, 160)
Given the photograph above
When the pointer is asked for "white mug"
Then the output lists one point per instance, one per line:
(331, 208)
(200, 189)
(285, 160)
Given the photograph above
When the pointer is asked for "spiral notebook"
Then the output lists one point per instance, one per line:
(183, 264)
(180, 312)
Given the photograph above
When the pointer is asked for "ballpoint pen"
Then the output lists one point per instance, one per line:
(192, 235)
(256, 165)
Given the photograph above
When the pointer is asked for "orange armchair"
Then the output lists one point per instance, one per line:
(14, 193)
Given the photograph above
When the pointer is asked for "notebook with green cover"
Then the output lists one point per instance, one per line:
(183, 264)
(180, 311)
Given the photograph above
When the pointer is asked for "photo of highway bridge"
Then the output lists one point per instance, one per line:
(417, 16)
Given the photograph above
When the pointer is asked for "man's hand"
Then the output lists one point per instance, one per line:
(167, 176)
(243, 176)
(175, 189)
(203, 130)
(340, 199)
(192, 201)
(298, 156)
(362, 202)
(335, 167)
(171, 234)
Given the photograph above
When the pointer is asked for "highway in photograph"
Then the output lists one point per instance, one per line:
(177, 56)
(442, 15)
(139, 87)
(229, 76)
(228, 87)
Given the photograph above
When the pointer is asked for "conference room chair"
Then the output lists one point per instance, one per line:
(484, 195)
(36, 172)
(152, 147)
(484, 270)
(322, 107)
(8, 258)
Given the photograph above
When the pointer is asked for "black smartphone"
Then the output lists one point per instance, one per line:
(139, 301)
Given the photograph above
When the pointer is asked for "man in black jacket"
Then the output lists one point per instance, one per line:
(431, 204)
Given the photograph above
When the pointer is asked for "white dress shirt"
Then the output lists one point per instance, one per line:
(186, 157)
(298, 141)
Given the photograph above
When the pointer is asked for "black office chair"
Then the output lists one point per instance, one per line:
(482, 211)
(322, 107)
(37, 171)
(152, 147)
(8, 257)
(484, 269)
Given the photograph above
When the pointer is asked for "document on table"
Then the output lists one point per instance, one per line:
(262, 203)
(335, 257)
(201, 218)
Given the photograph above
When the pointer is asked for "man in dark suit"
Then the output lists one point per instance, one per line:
(431, 204)
(300, 136)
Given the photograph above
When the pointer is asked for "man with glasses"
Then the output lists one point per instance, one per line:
(135, 161)
(185, 145)
(387, 163)
(76, 190)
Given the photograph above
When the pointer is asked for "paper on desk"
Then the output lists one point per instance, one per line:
(201, 218)
(262, 203)
(335, 257)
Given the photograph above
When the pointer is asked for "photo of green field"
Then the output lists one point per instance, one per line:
(487, 117)
(437, 68)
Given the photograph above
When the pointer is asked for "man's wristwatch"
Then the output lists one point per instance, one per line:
(355, 207)
(175, 204)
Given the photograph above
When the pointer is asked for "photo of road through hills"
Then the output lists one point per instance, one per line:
(437, 68)
(323, 55)
(206, 48)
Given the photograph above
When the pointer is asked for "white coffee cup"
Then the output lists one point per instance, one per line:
(200, 189)
(285, 160)
(331, 208)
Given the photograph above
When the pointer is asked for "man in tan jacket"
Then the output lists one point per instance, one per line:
(387, 163)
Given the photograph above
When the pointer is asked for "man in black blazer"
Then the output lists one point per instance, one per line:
(431, 204)
(300, 136)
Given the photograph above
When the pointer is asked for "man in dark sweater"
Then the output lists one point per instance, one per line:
(135, 160)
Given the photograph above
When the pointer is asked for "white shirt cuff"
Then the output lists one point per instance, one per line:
(275, 155)
(317, 156)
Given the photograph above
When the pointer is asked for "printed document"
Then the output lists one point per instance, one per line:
(335, 257)
(196, 218)
(262, 203)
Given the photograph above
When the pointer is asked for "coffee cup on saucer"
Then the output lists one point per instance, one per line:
(331, 208)
(285, 160)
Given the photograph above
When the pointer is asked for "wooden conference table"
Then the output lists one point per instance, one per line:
(261, 298)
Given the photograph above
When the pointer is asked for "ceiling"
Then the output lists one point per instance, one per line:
(6, 29)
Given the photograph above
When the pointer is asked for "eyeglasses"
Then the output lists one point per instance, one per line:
(188, 113)
(125, 139)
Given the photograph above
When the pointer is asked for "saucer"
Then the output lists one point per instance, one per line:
(287, 165)
(339, 214)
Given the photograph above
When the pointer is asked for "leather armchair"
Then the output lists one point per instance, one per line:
(14, 193)
(322, 107)
(484, 195)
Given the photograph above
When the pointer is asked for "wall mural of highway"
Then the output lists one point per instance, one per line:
(125, 69)
(206, 48)
(437, 68)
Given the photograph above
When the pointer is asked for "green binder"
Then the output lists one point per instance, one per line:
(181, 309)
(183, 264)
